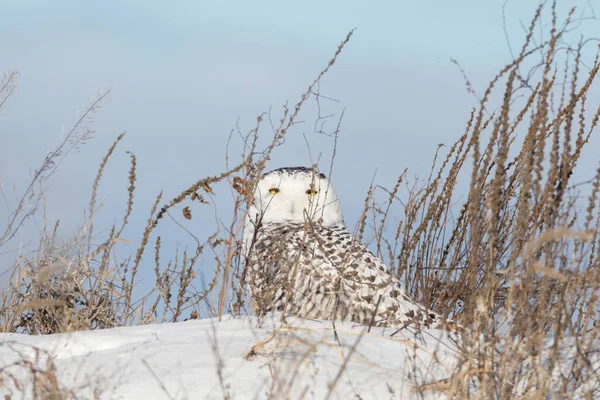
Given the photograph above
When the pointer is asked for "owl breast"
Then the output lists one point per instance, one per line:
(321, 272)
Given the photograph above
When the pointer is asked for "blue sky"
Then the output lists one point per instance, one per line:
(182, 74)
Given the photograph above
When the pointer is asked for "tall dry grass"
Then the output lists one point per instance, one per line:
(515, 259)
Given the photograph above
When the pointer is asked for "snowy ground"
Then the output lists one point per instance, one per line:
(235, 359)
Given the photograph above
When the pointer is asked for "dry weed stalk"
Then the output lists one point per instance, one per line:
(518, 264)
(32, 373)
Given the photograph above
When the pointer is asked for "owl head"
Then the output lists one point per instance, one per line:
(295, 195)
(291, 195)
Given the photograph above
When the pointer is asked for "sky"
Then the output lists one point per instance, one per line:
(183, 74)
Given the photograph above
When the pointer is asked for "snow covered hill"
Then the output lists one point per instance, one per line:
(232, 359)
(237, 359)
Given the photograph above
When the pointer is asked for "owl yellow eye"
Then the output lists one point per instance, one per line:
(311, 192)
(274, 190)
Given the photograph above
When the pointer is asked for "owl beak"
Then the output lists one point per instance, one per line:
(297, 209)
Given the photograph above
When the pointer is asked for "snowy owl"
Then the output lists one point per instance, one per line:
(301, 259)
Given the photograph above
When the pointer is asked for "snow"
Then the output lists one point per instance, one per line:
(235, 358)
(238, 358)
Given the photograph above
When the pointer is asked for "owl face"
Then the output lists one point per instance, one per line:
(295, 195)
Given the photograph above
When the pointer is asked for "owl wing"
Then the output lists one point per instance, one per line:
(324, 273)
(364, 289)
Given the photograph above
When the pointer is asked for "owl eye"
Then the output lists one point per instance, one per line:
(274, 190)
(311, 192)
